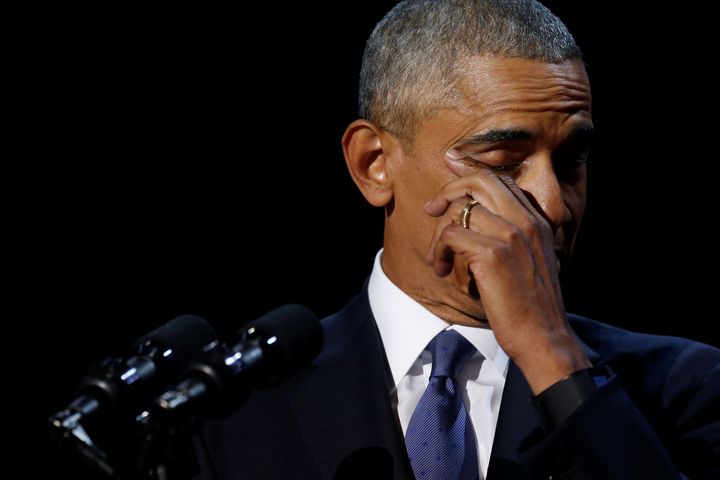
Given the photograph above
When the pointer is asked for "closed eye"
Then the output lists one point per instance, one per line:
(505, 168)
(498, 160)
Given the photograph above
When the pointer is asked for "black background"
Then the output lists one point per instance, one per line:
(188, 161)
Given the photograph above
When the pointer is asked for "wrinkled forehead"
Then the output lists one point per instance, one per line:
(520, 83)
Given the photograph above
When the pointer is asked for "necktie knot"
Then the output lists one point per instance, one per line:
(449, 350)
(440, 439)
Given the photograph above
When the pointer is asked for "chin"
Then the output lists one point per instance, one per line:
(473, 314)
(461, 309)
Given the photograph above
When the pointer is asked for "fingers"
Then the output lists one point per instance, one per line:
(521, 197)
(483, 186)
(452, 216)
(456, 240)
(486, 230)
(500, 194)
(460, 168)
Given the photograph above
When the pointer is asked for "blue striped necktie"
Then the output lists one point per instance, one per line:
(440, 439)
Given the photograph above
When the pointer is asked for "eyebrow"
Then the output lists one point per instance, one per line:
(498, 135)
(579, 133)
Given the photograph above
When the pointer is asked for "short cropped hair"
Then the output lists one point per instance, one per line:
(413, 58)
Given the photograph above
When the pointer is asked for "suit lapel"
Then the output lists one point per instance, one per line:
(516, 421)
(343, 405)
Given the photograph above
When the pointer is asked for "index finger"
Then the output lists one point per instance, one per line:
(482, 185)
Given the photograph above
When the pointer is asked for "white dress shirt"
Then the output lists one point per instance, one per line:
(406, 328)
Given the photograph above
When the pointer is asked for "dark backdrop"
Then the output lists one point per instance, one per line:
(188, 161)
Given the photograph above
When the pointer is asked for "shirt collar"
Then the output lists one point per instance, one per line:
(406, 327)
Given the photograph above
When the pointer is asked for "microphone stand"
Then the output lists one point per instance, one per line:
(66, 428)
(150, 463)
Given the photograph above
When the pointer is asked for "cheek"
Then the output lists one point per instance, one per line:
(420, 179)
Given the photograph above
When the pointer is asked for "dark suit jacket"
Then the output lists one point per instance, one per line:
(659, 418)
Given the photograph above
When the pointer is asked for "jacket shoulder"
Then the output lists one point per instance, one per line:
(612, 343)
(656, 370)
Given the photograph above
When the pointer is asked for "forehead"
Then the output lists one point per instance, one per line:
(494, 85)
(544, 99)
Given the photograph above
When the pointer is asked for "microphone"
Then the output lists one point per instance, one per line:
(269, 350)
(121, 383)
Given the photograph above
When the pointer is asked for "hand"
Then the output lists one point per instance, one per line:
(508, 250)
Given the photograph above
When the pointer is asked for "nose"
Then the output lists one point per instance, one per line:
(543, 188)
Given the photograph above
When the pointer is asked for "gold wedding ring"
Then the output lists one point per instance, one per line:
(465, 214)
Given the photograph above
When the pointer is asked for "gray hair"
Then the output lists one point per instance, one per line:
(413, 58)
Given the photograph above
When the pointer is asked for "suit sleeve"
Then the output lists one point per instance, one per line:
(609, 437)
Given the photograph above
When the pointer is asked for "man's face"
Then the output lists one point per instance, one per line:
(526, 119)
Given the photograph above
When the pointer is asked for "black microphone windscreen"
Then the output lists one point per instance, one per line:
(298, 331)
(185, 335)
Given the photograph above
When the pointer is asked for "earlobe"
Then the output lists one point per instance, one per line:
(367, 155)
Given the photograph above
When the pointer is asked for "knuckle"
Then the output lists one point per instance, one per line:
(535, 227)
(456, 210)
(450, 232)
(531, 226)
(499, 253)
(513, 235)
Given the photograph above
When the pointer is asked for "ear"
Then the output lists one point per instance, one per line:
(368, 153)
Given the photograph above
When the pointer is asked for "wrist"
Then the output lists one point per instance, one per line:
(545, 364)
(555, 404)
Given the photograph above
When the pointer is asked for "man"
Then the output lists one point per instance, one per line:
(476, 126)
